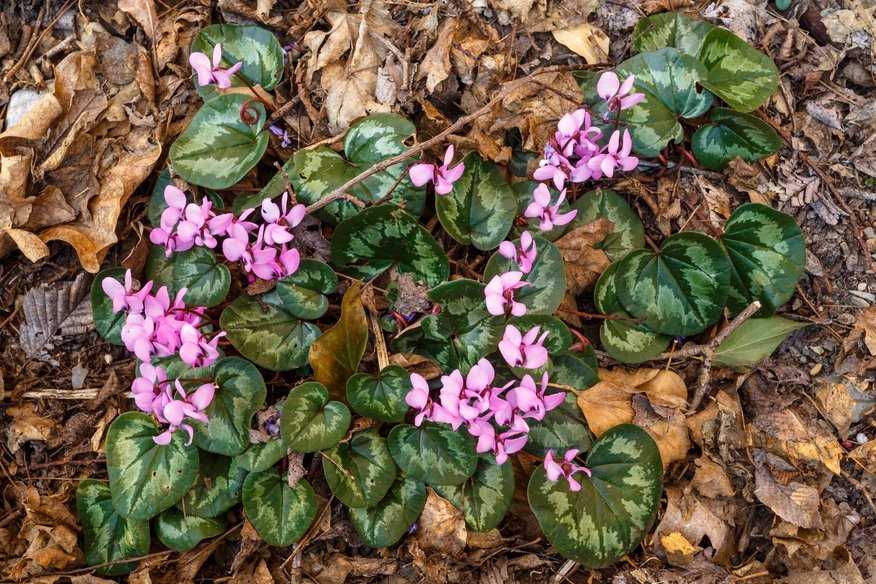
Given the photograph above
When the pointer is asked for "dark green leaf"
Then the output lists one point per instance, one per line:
(671, 77)
(361, 471)
(733, 135)
(670, 29)
(737, 72)
(385, 523)
(217, 487)
(626, 233)
(157, 204)
(433, 453)
(547, 279)
(311, 422)
(754, 341)
(484, 497)
(181, 532)
(573, 370)
(256, 47)
(261, 456)
(561, 429)
(382, 396)
(108, 325)
(303, 293)
(336, 354)
(205, 279)
(280, 514)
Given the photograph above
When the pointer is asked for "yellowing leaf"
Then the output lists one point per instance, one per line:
(586, 40)
(606, 405)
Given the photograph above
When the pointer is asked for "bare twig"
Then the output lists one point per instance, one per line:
(379, 342)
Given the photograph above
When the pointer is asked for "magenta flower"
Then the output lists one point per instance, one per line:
(617, 94)
(137, 334)
(524, 255)
(534, 402)
(507, 442)
(419, 399)
(521, 350)
(614, 156)
(195, 350)
(499, 294)
(149, 387)
(123, 296)
(280, 222)
(567, 468)
(211, 72)
(549, 215)
(442, 176)
(164, 233)
(187, 406)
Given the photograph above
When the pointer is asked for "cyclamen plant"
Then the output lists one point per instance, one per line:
(509, 371)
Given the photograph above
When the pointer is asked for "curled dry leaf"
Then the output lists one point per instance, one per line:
(587, 40)
(690, 522)
(842, 402)
(28, 425)
(784, 433)
(583, 261)
(441, 526)
(793, 501)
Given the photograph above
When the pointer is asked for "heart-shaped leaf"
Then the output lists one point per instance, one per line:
(429, 340)
(361, 471)
(385, 523)
(255, 47)
(611, 513)
(266, 333)
(485, 497)
(433, 453)
(384, 236)
(335, 355)
(733, 135)
(671, 77)
(382, 396)
(311, 422)
(303, 293)
(624, 339)
(754, 341)
(144, 477)
(241, 392)
(546, 282)
(217, 487)
(181, 532)
(108, 536)
(576, 370)
(737, 72)
(108, 325)
(262, 456)
(480, 209)
(561, 429)
(679, 291)
(205, 279)
(767, 254)
(218, 148)
(670, 29)
(626, 233)
(280, 514)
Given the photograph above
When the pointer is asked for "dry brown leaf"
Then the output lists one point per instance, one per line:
(710, 480)
(484, 540)
(795, 502)
(27, 425)
(784, 433)
(671, 437)
(584, 263)
(666, 388)
(697, 521)
(679, 551)
(436, 64)
(606, 405)
(51, 312)
(441, 526)
(866, 324)
(586, 40)
(842, 402)
(143, 12)
(865, 456)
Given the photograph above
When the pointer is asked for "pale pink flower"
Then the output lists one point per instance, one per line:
(123, 296)
(280, 221)
(614, 156)
(524, 254)
(149, 387)
(178, 409)
(164, 233)
(549, 215)
(617, 94)
(195, 350)
(534, 402)
(137, 334)
(521, 350)
(212, 72)
(499, 294)
(512, 440)
(419, 399)
(567, 468)
(442, 176)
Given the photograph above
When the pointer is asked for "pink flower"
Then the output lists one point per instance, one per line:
(549, 215)
(211, 72)
(450, 396)
(617, 94)
(524, 255)
(499, 294)
(419, 399)
(235, 247)
(442, 176)
(289, 260)
(280, 222)
(177, 410)
(195, 350)
(148, 388)
(123, 296)
(534, 402)
(164, 233)
(605, 163)
(525, 351)
(511, 440)
(566, 468)
(137, 334)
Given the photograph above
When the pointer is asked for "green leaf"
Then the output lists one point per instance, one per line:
(303, 293)
(385, 523)
(625, 340)
(547, 279)
(485, 497)
(429, 340)
(256, 47)
(280, 514)
(384, 236)
(627, 232)
(108, 536)
(737, 72)
(559, 338)
(241, 392)
(217, 487)
(671, 77)
(754, 341)
(679, 291)
(311, 422)
(218, 148)
(266, 333)
(433, 453)
(481, 207)
(157, 204)
(611, 513)
(670, 29)
(767, 255)
(562, 428)
(574, 369)
(361, 471)
(205, 279)
(108, 325)
(335, 355)
(261, 456)
(181, 532)
(146, 478)
(382, 396)
(733, 135)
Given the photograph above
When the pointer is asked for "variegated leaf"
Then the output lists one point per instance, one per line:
(546, 282)
(485, 497)
(626, 233)
(382, 396)
(266, 333)
(670, 29)
(217, 487)
(464, 321)
(609, 516)
(108, 324)
(480, 209)
(108, 537)
(205, 279)
(672, 78)
(624, 339)
(218, 148)
(737, 72)
(679, 291)
(144, 477)
(561, 429)
(303, 293)
(429, 340)
(767, 253)
(261, 456)
(181, 532)
(384, 236)
(255, 47)
(754, 341)
(361, 471)
(385, 523)
(279, 513)
(733, 135)
(433, 453)
(310, 422)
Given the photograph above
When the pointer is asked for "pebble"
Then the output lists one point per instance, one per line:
(861, 438)
(862, 299)
(21, 102)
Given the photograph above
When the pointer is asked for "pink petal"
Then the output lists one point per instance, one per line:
(163, 439)
(626, 86)
(542, 195)
(507, 250)
(448, 155)
(217, 56)
(223, 78)
(632, 100)
(536, 356)
(296, 215)
(455, 173)
(201, 64)
(202, 397)
(511, 353)
(174, 412)
(173, 196)
(421, 174)
(518, 309)
(565, 218)
(608, 85)
(568, 125)
(442, 185)
(270, 211)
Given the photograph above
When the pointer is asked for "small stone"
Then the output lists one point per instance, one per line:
(862, 286)
(817, 350)
(862, 299)
(21, 102)
(816, 370)
(861, 438)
